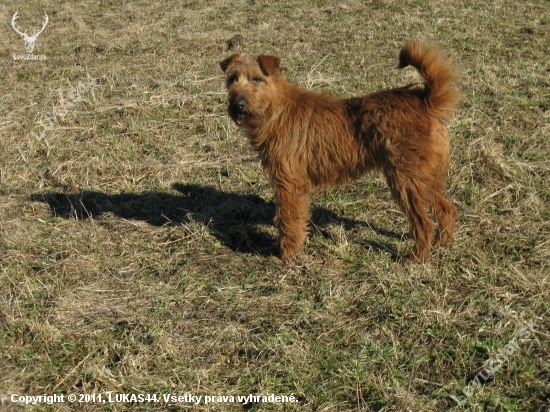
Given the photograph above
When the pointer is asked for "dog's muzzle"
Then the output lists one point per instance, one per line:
(237, 107)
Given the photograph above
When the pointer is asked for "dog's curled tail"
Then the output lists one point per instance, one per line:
(441, 93)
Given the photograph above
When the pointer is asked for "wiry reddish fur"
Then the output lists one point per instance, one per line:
(307, 140)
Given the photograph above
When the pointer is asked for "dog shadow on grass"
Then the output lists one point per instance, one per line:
(235, 219)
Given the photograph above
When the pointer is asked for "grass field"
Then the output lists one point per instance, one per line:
(136, 223)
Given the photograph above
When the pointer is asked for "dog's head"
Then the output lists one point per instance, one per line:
(250, 81)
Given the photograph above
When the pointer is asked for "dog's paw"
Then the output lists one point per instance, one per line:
(275, 259)
(412, 258)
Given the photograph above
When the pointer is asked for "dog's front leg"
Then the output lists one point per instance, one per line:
(291, 219)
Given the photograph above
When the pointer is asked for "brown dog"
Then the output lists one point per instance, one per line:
(307, 140)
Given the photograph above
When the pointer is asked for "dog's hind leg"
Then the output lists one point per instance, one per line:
(421, 226)
(445, 213)
(413, 197)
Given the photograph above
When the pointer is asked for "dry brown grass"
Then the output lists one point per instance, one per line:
(134, 236)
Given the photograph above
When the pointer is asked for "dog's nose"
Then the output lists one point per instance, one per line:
(239, 104)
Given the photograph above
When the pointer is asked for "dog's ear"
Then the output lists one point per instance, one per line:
(268, 64)
(226, 64)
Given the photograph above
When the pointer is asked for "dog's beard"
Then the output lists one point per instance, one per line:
(242, 118)
(238, 118)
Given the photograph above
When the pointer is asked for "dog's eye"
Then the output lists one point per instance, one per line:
(232, 79)
(257, 80)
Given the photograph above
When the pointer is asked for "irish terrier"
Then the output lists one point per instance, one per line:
(307, 140)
